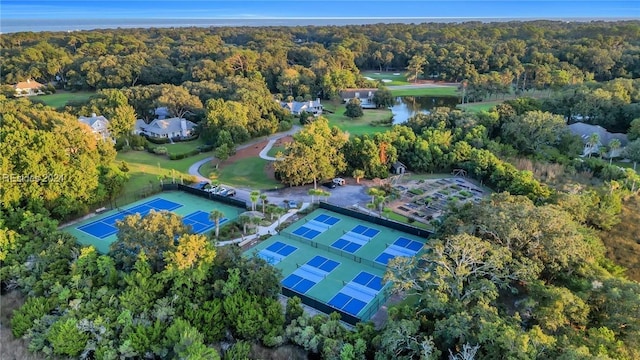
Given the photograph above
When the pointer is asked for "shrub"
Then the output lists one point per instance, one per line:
(205, 148)
(160, 150)
(23, 318)
(284, 126)
(158, 141)
(137, 141)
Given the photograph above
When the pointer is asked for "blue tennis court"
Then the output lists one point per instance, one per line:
(199, 221)
(366, 231)
(276, 252)
(306, 233)
(401, 247)
(347, 304)
(309, 274)
(323, 218)
(357, 293)
(409, 244)
(369, 280)
(107, 226)
(346, 245)
(323, 263)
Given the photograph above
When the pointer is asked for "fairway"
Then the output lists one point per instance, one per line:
(427, 91)
(337, 262)
(60, 99)
(361, 125)
(397, 78)
(100, 231)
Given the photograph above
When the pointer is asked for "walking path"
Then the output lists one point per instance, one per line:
(264, 230)
(265, 151)
(194, 169)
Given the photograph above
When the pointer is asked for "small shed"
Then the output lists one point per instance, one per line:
(398, 168)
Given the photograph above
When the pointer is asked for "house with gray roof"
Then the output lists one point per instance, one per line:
(364, 95)
(165, 128)
(584, 131)
(99, 125)
(296, 107)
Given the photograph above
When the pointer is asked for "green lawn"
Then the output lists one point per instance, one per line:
(403, 219)
(181, 147)
(395, 79)
(60, 99)
(274, 150)
(144, 169)
(478, 107)
(357, 126)
(429, 91)
(246, 173)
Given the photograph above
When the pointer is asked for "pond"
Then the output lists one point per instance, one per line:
(408, 106)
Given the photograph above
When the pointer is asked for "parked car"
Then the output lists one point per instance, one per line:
(330, 185)
(211, 189)
(201, 185)
(231, 192)
(339, 181)
(292, 204)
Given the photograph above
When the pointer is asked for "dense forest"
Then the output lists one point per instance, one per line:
(521, 275)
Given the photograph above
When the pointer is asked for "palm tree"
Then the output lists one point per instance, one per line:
(592, 142)
(614, 145)
(264, 200)
(326, 194)
(244, 220)
(373, 192)
(254, 196)
(215, 216)
(315, 192)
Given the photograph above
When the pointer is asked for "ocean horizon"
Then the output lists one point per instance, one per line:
(67, 25)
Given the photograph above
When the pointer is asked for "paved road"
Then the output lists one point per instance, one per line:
(243, 194)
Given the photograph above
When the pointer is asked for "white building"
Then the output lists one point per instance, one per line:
(99, 125)
(165, 128)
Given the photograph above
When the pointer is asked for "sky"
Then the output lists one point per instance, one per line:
(235, 9)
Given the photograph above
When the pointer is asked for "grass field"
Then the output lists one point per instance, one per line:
(60, 99)
(274, 150)
(144, 169)
(478, 107)
(247, 173)
(181, 147)
(428, 91)
(403, 219)
(395, 79)
(357, 126)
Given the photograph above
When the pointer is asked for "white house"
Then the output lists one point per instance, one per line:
(99, 125)
(585, 131)
(296, 107)
(165, 128)
(28, 88)
(364, 95)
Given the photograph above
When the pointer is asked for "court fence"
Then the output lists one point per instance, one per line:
(333, 250)
(204, 194)
(377, 220)
(350, 319)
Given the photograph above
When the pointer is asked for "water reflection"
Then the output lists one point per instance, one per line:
(407, 106)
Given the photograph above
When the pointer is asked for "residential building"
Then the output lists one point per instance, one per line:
(165, 128)
(585, 131)
(364, 95)
(99, 125)
(296, 107)
(28, 88)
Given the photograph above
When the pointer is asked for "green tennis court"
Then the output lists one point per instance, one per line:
(337, 260)
(100, 231)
